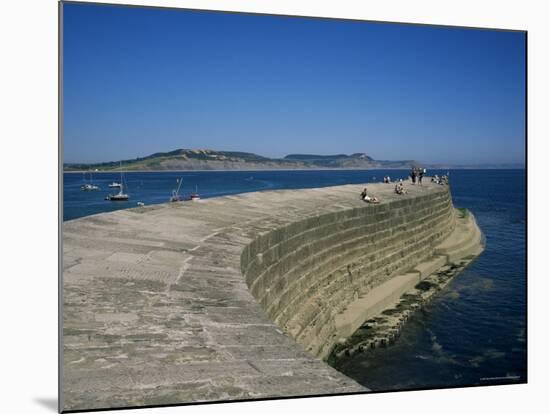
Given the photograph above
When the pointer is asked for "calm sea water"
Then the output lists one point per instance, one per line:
(473, 332)
(156, 187)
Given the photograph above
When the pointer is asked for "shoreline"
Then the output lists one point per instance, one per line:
(238, 170)
(290, 169)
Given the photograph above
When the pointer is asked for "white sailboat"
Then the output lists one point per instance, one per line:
(121, 196)
(89, 186)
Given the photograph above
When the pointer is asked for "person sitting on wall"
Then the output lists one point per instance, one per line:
(399, 188)
(368, 198)
(372, 200)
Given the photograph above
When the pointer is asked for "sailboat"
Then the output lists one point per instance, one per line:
(89, 186)
(121, 196)
(176, 193)
(195, 196)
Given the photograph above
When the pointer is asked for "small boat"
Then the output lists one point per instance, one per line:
(140, 203)
(195, 196)
(114, 185)
(117, 197)
(89, 186)
(176, 193)
(121, 196)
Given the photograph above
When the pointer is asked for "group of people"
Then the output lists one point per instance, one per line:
(443, 180)
(399, 189)
(417, 174)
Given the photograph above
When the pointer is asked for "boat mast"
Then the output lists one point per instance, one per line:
(180, 180)
(121, 183)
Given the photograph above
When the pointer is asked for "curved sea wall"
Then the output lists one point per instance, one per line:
(240, 297)
(306, 273)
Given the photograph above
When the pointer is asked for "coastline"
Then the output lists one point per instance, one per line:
(293, 169)
(236, 170)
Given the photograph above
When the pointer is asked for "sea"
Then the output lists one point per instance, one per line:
(472, 333)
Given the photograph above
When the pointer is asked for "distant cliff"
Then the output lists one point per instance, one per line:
(198, 159)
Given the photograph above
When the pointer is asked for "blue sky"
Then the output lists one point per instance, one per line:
(144, 80)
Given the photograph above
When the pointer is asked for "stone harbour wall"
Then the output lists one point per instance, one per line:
(305, 273)
(236, 297)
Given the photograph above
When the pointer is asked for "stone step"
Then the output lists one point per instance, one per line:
(464, 241)
(299, 322)
(381, 297)
(317, 275)
(430, 266)
(471, 249)
(461, 236)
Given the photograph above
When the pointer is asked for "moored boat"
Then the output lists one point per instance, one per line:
(195, 196)
(89, 186)
(118, 197)
(176, 193)
(121, 195)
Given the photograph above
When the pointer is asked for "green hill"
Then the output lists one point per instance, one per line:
(204, 159)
